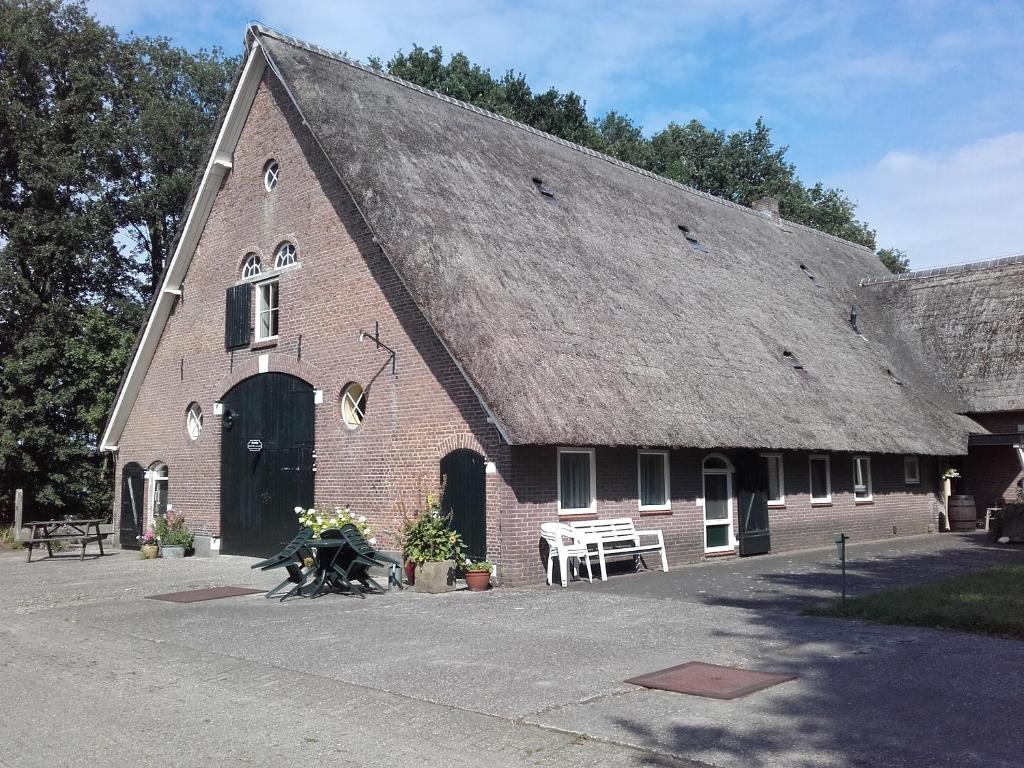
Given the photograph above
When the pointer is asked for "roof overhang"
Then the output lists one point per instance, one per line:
(217, 168)
(1012, 439)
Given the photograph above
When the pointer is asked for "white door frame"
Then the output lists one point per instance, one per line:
(157, 473)
(728, 472)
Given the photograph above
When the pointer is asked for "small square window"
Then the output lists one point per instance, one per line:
(577, 488)
(911, 470)
(821, 480)
(266, 311)
(861, 478)
(775, 480)
(652, 468)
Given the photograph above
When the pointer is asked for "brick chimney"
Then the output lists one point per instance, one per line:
(767, 207)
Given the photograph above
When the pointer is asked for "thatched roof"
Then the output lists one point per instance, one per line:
(588, 317)
(967, 323)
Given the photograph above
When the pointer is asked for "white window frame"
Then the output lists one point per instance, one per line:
(870, 497)
(156, 474)
(781, 501)
(358, 413)
(293, 255)
(727, 471)
(668, 483)
(916, 463)
(253, 265)
(592, 509)
(194, 415)
(271, 175)
(827, 498)
(260, 309)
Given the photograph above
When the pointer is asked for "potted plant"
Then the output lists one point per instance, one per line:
(429, 541)
(150, 544)
(173, 535)
(319, 520)
(478, 574)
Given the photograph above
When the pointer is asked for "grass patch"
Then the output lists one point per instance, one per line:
(986, 603)
(9, 539)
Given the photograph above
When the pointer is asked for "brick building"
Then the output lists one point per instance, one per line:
(377, 285)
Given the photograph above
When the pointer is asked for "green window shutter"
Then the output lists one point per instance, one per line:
(237, 322)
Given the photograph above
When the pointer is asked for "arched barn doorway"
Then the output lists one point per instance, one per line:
(266, 462)
(133, 514)
(465, 498)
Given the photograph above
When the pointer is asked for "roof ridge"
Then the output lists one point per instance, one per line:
(261, 28)
(949, 269)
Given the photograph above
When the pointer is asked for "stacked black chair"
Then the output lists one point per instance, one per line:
(293, 559)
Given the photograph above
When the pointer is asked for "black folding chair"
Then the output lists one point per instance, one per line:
(341, 566)
(292, 559)
(370, 556)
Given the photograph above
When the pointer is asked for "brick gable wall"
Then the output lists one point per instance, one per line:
(343, 285)
(993, 472)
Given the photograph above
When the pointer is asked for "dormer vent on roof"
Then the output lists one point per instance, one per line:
(692, 239)
(792, 360)
(810, 275)
(893, 377)
(547, 192)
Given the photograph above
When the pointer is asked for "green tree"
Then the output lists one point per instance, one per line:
(99, 139)
(896, 260)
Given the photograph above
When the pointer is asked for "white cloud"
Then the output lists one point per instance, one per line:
(945, 208)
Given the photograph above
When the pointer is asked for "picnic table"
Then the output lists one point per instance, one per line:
(76, 531)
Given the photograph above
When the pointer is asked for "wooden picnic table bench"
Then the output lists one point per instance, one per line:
(618, 536)
(80, 532)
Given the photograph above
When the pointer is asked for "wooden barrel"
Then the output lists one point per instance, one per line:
(963, 515)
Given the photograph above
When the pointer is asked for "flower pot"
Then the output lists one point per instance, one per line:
(172, 550)
(434, 578)
(478, 581)
(150, 551)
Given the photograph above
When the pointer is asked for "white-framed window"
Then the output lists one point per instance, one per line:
(353, 405)
(776, 479)
(911, 470)
(271, 171)
(158, 492)
(653, 480)
(252, 266)
(285, 255)
(194, 421)
(821, 480)
(861, 478)
(577, 482)
(718, 503)
(266, 310)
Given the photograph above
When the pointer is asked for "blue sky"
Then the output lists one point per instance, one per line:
(915, 109)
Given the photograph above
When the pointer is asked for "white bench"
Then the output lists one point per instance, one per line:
(621, 535)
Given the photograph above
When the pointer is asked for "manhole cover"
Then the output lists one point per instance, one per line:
(699, 679)
(197, 595)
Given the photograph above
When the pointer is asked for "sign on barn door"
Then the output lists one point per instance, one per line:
(465, 498)
(266, 463)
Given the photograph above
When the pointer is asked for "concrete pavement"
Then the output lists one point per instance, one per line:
(511, 677)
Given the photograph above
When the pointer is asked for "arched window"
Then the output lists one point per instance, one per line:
(252, 265)
(270, 175)
(285, 255)
(194, 421)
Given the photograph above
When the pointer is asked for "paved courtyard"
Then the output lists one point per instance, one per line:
(512, 677)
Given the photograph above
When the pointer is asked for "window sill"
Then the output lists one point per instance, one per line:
(822, 503)
(655, 512)
(863, 501)
(776, 505)
(586, 515)
(264, 343)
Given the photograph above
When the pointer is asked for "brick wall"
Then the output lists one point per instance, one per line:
(343, 285)
(993, 472)
(896, 508)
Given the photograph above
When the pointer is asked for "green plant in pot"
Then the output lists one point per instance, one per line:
(478, 574)
(1008, 523)
(174, 536)
(429, 542)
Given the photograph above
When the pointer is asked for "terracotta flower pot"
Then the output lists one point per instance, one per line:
(150, 551)
(478, 581)
(410, 572)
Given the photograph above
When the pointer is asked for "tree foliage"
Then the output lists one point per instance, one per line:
(896, 260)
(99, 139)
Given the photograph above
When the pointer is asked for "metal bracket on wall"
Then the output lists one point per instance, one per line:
(392, 356)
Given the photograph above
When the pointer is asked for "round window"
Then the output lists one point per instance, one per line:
(194, 421)
(353, 405)
(270, 171)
